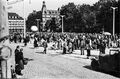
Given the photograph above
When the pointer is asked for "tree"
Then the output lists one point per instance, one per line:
(31, 19)
(105, 15)
(47, 25)
(86, 18)
(78, 18)
(69, 12)
(53, 25)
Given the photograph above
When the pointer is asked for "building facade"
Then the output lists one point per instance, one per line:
(3, 19)
(48, 14)
(15, 23)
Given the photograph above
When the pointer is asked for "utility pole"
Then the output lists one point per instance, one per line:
(62, 23)
(24, 18)
(38, 24)
(114, 19)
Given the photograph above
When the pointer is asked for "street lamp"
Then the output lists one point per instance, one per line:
(62, 23)
(24, 18)
(114, 19)
(38, 24)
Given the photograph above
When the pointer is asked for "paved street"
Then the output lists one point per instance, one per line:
(53, 65)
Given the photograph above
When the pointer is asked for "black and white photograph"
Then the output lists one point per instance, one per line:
(59, 39)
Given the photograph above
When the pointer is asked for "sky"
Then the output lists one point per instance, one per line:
(29, 6)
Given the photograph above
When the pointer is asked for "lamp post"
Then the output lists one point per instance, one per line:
(114, 19)
(24, 18)
(62, 23)
(38, 24)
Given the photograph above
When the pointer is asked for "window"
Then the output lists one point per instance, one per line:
(53, 12)
(49, 12)
(45, 12)
(13, 17)
(9, 17)
(56, 12)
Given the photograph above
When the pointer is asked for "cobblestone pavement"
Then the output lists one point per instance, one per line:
(54, 65)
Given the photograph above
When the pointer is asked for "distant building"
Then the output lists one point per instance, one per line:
(15, 23)
(48, 14)
(104, 1)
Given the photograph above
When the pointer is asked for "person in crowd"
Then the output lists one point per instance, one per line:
(25, 41)
(28, 38)
(15, 38)
(35, 42)
(88, 48)
(64, 48)
(11, 39)
(20, 38)
(70, 47)
(16, 52)
(45, 46)
(82, 46)
(102, 47)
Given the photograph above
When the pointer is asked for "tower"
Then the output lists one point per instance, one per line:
(44, 13)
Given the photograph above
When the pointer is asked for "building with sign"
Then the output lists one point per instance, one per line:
(15, 23)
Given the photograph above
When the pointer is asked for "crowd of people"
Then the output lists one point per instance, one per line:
(70, 41)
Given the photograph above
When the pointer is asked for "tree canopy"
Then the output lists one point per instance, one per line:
(87, 18)
(83, 18)
(32, 19)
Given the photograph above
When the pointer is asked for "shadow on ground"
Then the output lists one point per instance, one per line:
(28, 59)
(115, 74)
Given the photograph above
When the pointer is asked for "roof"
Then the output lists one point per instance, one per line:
(14, 16)
(53, 11)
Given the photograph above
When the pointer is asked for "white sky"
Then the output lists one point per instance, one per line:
(37, 5)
